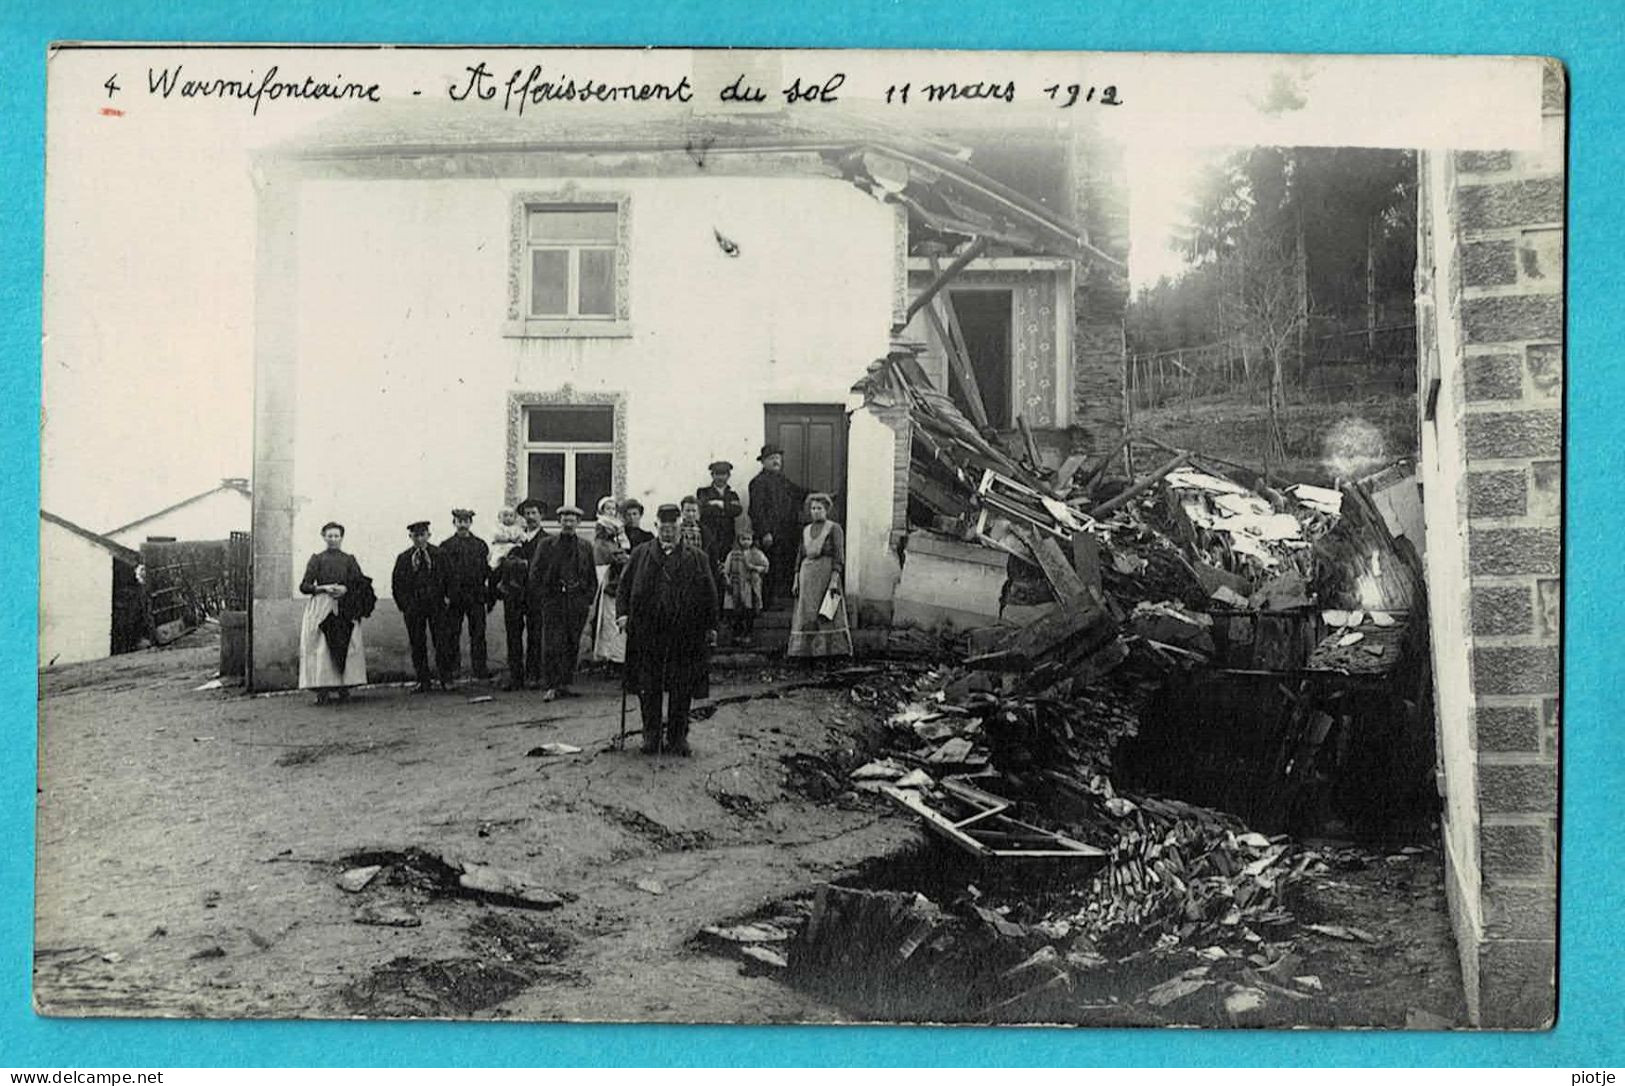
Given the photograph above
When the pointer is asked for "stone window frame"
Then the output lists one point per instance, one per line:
(562, 397)
(519, 325)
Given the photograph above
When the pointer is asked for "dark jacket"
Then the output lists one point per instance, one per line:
(638, 536)
(670, 601)
(775, 504)
(468, 562)
(512, 576)
(423, 588)
(330, 567)
(562, 573)
(716, 523)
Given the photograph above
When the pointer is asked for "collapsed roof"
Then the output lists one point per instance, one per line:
(931, 177)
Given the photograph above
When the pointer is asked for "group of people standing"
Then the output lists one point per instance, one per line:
(621, 594)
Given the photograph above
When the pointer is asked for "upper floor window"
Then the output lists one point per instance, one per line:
(572, 254)
(568, 271)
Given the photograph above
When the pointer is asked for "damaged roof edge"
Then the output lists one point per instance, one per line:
(1050, 232)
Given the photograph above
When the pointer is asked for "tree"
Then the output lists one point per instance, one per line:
(1265, 266)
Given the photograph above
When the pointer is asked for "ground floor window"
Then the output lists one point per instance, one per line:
(569, 454)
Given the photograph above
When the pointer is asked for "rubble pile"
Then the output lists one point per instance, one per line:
(1076, 897)
(975, 950)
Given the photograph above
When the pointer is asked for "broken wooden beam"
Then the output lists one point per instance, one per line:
(1069, 467)
(961, 368)
(1069, 587)
(944, 277)
(1099, 469)
(1030, 442)
(1107, 508)
(1064, 633)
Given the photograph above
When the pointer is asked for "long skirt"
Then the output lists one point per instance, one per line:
(811, 634)
(602, 640)
(316, 668)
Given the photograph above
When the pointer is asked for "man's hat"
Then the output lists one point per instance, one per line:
(668, 513)
(418, 526)
(770, 450)
(528, 503)
(462, 514)
(563, 509)
(718, 466)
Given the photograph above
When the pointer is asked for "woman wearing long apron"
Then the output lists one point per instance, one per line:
(610, 551)
(332, 655)
(818, 627)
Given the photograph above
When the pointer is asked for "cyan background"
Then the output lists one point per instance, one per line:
(1588, 37)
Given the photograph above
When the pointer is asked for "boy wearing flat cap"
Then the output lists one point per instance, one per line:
(719, 514)
(468, 579)
(563, 582)
(419, 585)
(667, 604)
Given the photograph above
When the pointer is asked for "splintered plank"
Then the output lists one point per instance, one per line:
(1069, 587)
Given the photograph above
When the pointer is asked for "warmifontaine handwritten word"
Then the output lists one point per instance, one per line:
(530, 88)
(166, 82)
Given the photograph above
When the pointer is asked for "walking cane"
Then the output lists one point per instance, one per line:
(620, 744)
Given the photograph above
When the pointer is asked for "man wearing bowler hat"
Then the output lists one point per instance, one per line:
(563, 582)
(667, 603)
(419, 585)
(719, 512)
(775, 514)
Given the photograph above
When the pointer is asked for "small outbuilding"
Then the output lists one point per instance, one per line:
(90, 600)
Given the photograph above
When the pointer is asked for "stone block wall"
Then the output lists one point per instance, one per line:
(1100, 198)
(1490, 315)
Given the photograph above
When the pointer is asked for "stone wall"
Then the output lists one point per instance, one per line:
(1100, 296)
(1490, 317)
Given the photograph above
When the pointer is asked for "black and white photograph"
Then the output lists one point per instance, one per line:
(801, 536)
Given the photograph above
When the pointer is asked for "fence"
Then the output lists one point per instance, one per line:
(1338, 362)
(189, 581)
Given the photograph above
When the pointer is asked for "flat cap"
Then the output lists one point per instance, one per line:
(418, 526)
(718, 466)
(570, 509)
(668, 513)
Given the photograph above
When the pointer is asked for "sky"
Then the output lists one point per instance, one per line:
(147, 351)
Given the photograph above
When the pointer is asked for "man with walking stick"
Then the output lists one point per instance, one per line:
(667, 604)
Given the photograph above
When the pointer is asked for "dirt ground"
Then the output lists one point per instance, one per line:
(190, 844)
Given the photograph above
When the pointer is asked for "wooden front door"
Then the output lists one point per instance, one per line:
(814, 440)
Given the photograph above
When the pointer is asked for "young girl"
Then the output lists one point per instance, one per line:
(742, 573)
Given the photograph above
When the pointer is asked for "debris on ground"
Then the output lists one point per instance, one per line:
(1194, 631)
(387, 916)
(356, 879)
(552, 750)
(424, 874)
